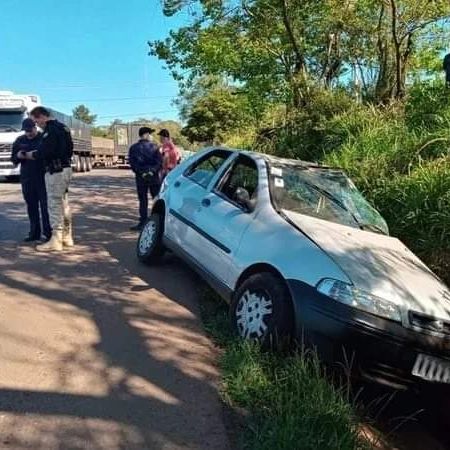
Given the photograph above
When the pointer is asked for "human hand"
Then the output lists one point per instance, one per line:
(21, 155)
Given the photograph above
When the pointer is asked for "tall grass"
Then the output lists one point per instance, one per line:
(292, 404)
(289, 401)
(398, 156)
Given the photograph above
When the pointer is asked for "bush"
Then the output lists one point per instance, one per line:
(428, 107)
(417, 207)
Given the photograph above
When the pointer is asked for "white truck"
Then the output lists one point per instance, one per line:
(14, 108)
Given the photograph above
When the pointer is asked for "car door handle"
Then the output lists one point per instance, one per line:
(206, 202)
(177, 184)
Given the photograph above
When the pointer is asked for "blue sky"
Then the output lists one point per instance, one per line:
(88, 51)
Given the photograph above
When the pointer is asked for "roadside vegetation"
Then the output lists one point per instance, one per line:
(280, 401)
(356, 84)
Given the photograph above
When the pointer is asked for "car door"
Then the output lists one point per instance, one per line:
(222, 219)
(186, 193)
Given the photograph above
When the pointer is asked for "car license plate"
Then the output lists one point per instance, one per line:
(432, 369)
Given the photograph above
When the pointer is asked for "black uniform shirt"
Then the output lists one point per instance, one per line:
(29, 169)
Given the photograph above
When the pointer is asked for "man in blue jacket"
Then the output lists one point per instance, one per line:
(33, 182)
(145, 161)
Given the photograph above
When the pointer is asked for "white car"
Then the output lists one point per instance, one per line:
(296, 250)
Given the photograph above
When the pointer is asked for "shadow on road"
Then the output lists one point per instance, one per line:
(150, 360)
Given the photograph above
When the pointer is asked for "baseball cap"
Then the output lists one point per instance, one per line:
(28, 125)
(145, 130)
(164, 133)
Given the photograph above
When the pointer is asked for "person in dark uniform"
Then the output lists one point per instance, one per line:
(145, 161)
(33, 182)
(55, 151)
(446, 67)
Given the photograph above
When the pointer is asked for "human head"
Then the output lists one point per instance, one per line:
(29, 127)
(40, 115)
(164, 135)
(145, 132)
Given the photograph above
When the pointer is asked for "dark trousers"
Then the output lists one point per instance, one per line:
(35, 197)
(143, 187)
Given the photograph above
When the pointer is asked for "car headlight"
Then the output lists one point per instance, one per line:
(349, 295)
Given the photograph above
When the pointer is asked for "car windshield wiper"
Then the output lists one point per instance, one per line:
(372, 227)
(334, 200)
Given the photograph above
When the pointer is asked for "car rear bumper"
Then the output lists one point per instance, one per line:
(378, 349)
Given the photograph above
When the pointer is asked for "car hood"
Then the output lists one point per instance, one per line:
(379, 264)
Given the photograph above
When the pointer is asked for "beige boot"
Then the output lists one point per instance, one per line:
(53, 245)
(67, 239)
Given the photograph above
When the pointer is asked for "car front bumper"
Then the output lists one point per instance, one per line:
(378, 349)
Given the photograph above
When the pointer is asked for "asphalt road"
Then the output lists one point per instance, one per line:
(96, 350)
(100, 352)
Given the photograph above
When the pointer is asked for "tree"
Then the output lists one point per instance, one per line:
(278, 49)
(403, 28)
(81, 112)
(212, 110)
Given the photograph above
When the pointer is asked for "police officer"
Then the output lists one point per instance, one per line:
(55, 150)
(33, 183)
(145, 161)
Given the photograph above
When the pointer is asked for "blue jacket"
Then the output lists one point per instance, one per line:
(29, 169)
(144, 156)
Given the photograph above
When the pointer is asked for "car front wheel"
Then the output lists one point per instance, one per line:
(261, 310)
(150, 248)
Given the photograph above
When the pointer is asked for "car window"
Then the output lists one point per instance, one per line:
(203, 171)
(243, 174)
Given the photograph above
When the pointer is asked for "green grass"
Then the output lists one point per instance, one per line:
(289, 401)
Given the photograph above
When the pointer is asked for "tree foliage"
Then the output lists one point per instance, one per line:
(82, 112)
(277, 49)
(212, 110)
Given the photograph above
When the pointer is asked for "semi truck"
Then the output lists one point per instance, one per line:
(124, 136)
(103, 153)
(14, 108)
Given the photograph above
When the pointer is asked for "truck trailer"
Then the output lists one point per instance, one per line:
(14, 108)
(103, 152)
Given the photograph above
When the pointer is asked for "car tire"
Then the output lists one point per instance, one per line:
(261, 310)
(150, 248)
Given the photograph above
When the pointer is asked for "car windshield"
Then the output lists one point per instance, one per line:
(327, 194)
(11, 120)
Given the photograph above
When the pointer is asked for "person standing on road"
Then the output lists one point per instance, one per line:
(170, 153)
(55, 150)
(32, 180)
(145, 161)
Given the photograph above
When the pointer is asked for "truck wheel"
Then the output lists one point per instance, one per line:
(77, 163)
(149, 247)
(88, 163)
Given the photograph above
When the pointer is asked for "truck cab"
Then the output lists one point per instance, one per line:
(13, 110)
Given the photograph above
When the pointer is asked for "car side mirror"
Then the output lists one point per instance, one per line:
(242, 198)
